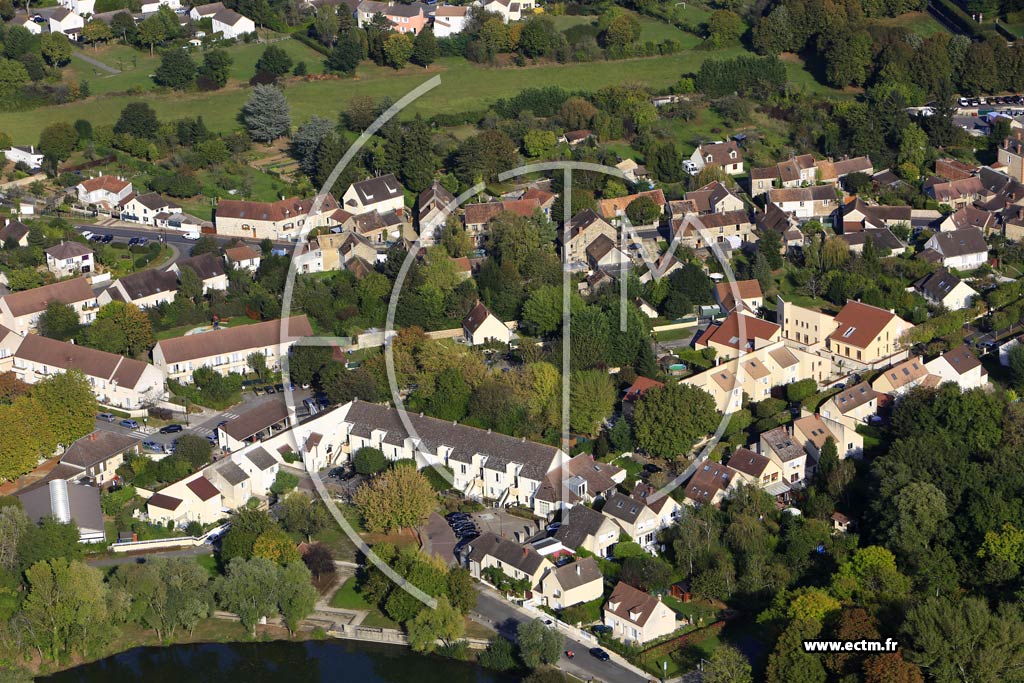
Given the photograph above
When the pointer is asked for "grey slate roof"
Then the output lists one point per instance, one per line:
(149, 282)
(374, 190)
(578, 522)
(523, 558)
(261, 458)
(621, 506)
(501, 450)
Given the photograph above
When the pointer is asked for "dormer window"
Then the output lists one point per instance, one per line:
(732, 154)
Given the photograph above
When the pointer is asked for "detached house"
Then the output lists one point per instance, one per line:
(723, 155)
(957, 193)
(208, 267)
(516, 561)
(19, 311)
(244, 257)
(14, 232)
(749, 293)
(481, 326)
(231, 24)
(404, 18)
(145, 288)
(381, 194)
(99, 454)
(66, 503)
(857, 215)
(69, 258)
(1011, 156)
(812, 431)
(572, 584)
(449, 20)
(510, 10)
(434, 205)
(963, 249)
(144, 208)
(637, 617)
(105, 190)
(942, 288)
(961, 366)
(30, 156)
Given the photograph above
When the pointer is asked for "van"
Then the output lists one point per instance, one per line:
(191, 235)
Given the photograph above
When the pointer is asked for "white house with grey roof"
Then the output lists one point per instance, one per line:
(381, 194)
(636, 519)
(485, 465)
(942, 288)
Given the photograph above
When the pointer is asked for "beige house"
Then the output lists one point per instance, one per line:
(637, 617)
(901, 378)
(116, 381)
(749, 293)
(516, 561)
(1011, 156)
(582, 479)
(232, 481)
(280, 220)
(613, 210)
(811, 431)
(738, 334)
(227, 350)
(636, 519)
(193, 499)
(714, 198)
(338, 249)
(482, 326)
(99, 454)
(757, 470)
(942, 288)
(19, 311)
(788, 454)
(585, 528)
(724, 155)
(866, 334)
(817, 201)
(583, 229)
(572, 584)
(851, 406)
(805, 326)
(757, 373)
(435, 203)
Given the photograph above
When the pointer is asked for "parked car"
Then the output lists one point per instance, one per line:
(132, 242)
(130, 424)
(651, 468)
(279, 388)
(258, 391)
(212, 438)
(268, 389)
(171, 429)
(86, 234)
(106, 417)
(107, 239)
(453, 517)
(153, 446)
(142, 241)
(336, 473)
(598, 653)
(601, 629)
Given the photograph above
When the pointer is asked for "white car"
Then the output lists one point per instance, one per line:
(86, 234)
(690, 167)
(191, 235)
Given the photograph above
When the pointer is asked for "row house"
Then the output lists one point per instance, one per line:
(613, 210)
(580, 233)
(787, 454)
(477, 217)
(228, 350)
(516, 561)
(884, 241)
(209, 268)
(851, 406)
(739, 333)
(856, 215)
(116, 381)
(145, 289)
(805, 203)
(144, 208)
(957, 193)
(971, 217)
(584, 528)
(485, 465)
(813, 430)
(433, 207)
(714, 197)
(20, 311)
(804, 170)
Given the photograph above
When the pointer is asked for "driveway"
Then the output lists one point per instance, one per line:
(439, 539)
(500, 522)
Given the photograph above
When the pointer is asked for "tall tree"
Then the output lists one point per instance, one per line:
(58, 321)
(592, 397)
(267, 115)
(250, 589)
(69, 403)
(176, 70)
(424, 48)
(444, 623)
(538, 644)
(66, 607)
(274, 61)
(400, 498)
(669, 420)
(296, 596)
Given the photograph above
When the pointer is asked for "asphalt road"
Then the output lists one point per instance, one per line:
(504, 617)
(137, 558)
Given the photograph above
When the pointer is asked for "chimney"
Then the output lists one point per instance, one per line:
(92, 436)
(577, 569)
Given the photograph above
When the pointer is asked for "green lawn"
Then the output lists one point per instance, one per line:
(465, 87)
(209, 563)
(347, 597)
(136, 66)
(182, 329)
(657, 31)
(921, 23)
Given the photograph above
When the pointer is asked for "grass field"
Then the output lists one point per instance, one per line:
(464, 87)
(920, 23)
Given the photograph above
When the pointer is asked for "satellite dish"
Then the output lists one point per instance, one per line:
(395, 234)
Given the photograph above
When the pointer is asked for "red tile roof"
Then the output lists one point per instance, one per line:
(859, 324)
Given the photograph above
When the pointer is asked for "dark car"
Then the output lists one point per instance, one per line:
(107, 239)
(598, 653)
(336, 473)
(601, 629)
(279, 388)
(453, 517)
(651, 468)
(171, 429)
(133, 241)
(268, 389)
